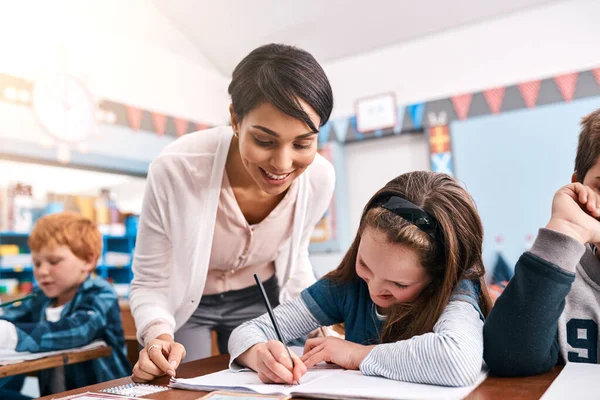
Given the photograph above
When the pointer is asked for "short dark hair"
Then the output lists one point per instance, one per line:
(281, 75)
(588, 148)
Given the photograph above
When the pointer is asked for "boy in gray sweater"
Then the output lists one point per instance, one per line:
(550, 311)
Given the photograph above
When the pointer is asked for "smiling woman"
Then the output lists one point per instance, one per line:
(224, 204)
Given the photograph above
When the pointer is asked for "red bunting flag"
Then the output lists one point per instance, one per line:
(160, 122)
(530, 91)
(181, 126)
(494, 98)
(134, 115)
(566, 85)
(462, 103)
(596, 72)
(200, 126)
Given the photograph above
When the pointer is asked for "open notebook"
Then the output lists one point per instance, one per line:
(13, 357)
(325, 382)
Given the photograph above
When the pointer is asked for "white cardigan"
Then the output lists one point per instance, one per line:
(177, 223)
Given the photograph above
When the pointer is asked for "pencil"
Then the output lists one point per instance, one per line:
(272, 315)
(30, 296)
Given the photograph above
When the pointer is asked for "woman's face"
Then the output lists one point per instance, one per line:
(275, 148)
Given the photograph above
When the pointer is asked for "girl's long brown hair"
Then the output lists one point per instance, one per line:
(457, 256)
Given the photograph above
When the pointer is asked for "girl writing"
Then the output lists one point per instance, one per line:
(409, 291)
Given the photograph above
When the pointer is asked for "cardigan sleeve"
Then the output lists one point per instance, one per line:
(152, 266)
(321, 184)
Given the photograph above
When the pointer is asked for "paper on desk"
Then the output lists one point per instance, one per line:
(12, 357)
(576, 381)
(355, 385)
(326, 383)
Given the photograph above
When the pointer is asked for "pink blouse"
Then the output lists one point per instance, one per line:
(239, 249)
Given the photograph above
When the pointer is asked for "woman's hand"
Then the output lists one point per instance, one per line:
(272, 362)
(346, 354)
(160, 356)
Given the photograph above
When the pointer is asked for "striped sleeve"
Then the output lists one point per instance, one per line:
(452, 355)
(294, 320)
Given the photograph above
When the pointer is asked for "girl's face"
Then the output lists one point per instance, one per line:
(275, 148)
(393, 272)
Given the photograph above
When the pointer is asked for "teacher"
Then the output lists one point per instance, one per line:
(223, 204)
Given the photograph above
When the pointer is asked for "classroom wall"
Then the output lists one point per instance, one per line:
(369, 165)
(122, 147)
(513, 163)
(123, 51)
(544, 41)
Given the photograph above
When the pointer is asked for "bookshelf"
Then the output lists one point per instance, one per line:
(114, 263)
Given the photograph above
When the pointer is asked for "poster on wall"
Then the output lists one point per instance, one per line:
(376, 113)
(325, 229)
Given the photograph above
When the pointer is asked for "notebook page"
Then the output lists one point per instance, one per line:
(248, 381)
(355, 385)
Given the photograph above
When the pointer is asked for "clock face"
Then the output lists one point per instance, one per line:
(64, 107)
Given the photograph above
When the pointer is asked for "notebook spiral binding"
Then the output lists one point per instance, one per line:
(134, 389)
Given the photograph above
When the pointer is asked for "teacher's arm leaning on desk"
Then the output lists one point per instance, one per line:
(493, 388)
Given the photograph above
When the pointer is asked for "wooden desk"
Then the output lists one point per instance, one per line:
(54, 361)
(129, 332)
(492, 388)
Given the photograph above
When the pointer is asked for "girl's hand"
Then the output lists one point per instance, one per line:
(272, 363)
(575, 212)
(346, 354)
(160, 356)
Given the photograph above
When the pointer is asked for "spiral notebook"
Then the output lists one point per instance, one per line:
(135, 389)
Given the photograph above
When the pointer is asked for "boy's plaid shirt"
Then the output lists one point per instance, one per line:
(93, 314)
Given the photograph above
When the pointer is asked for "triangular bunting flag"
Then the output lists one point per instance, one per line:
(323, 136)
(566, 85)
(399, 120)
(530, 91)
(596, 72)
(341, 127)
(160, 122)
(416, 112)
(354, 126)
(200, 126)
(181, 126)
(461, 105)
(437, 118)
(352, 122)
(502, 272)
(494, 98)
(134, 115)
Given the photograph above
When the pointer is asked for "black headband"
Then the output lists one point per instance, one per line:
(412, 213)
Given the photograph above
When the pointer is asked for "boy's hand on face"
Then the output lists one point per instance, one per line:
(575, 212)
(338, 351)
